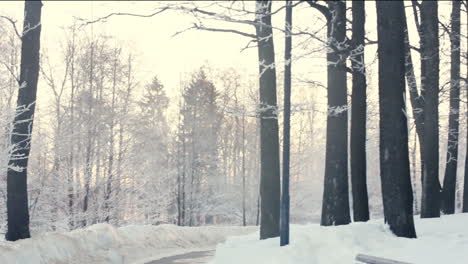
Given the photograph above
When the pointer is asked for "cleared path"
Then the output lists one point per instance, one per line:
(197, 257)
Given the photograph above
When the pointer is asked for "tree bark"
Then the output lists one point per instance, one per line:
(269, 138)
(417, 102)
(335, 205)
(465, 185)
(17, 191)
(394, 157)
(430, 202)
(450, 178)
(285, 203)
(358, 116)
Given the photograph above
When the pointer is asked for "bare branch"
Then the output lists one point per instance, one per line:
(13, 23)
(201, 27)
(11, 71)
(322, 9)
(103, 19)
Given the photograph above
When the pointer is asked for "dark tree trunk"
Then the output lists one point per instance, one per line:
(429, 45)
(284, 240)
(335, 206)
(358, 116)
(417, 102)
(465, 185)
(450, 178)
(394, 160)
(17, 191)
(269, 138)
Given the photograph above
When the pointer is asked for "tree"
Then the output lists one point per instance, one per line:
(429, 46)
(465, 185)
(358, 116)
(394, 160)
(200, 126)
(286, 127)
(152, 141)
(450, 178)
(17, 194)
(417, 102)
(335, 205)
(269, 138)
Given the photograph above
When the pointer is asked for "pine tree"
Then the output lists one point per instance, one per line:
(201, 124)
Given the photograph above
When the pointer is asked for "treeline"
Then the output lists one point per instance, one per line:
(112, 148)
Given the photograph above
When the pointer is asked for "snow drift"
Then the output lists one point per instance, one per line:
(440, 240)
(103, 243)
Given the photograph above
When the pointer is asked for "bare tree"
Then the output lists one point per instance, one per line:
(394, 156)
(450, 178)
(17, 201)
(358, 116)
(429, 46)
(335, 205)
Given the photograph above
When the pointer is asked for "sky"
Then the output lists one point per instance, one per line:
(172, 58)
(150, 38)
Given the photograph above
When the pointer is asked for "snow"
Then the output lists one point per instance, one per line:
(103, 243)
(440, 240)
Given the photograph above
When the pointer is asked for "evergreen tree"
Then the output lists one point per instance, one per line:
(201, 124)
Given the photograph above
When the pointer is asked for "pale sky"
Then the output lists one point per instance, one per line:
(150, 39)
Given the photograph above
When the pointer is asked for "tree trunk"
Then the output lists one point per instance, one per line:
(17, 191)
(284, 238)
(430, 202)
(71, 163)
(358, 117)
(394, 157)
(450, 178)
(417, 102)
(335, 207)
(90, 141)
(244, 193)
(465, 185)
(110, 168)
(269, 138)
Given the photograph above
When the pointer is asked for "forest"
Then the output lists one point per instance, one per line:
(329, 112)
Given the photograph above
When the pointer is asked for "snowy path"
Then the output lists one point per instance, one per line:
(197, 257)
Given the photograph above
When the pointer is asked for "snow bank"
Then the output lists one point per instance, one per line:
(443, 240)
(103, 243)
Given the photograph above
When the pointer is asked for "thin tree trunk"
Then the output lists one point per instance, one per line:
(450, 178)
(417, 102)
(270, 191)
(465, 185)
(430, 201)
(244, 221)
(90, 135)
(110, 169)
(285, 203)
(394, 157)
(358, 117)
(17, 189)
(70, 178)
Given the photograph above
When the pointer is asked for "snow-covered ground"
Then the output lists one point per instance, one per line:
(443, 240)
(103, 243)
